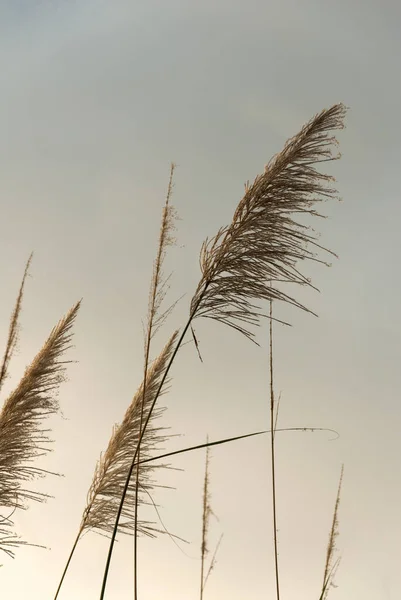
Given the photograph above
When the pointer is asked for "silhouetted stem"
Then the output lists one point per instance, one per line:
(68, 563)
(272, 432)
(120, 508)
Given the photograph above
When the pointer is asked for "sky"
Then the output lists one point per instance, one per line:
(97, 98)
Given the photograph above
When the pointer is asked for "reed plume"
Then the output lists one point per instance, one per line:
(111, 471)
(207, 512)
(159, 283)
(22, 436)
(264, 241)
(331, 565)
(14, 328)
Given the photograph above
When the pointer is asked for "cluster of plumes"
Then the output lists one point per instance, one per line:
(22, 435)
(112, 469)
(243, 263)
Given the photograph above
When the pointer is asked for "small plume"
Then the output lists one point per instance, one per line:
(160, 284)
(207, 512)
(331, 566)
(14, 327)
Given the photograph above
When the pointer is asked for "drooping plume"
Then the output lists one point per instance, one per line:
(265, 241)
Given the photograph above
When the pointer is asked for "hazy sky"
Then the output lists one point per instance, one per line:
(97, 98)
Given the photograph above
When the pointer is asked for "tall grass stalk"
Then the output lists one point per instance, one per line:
(273, 425)
(155, 320)
(262, 245)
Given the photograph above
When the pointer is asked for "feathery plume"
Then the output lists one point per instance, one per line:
(111, 472)
(159, 284)
(207, 511)
(264, 242)
(22, 437)
(331, 566)
(114, 469)
(14, 327)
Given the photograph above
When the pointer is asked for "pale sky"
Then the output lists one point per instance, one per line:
(97, 98)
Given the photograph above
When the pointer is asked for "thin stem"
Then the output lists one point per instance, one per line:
(233, 439)
(152, 308)
(120, 508)
(147, 351)
(147, 460)
(213, 561)
(199, 447)
(68, 563)
(272, 436)
(163, 379)
(206, 445)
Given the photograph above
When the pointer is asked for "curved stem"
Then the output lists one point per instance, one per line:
(146, 460)
(233, 439)
(68, 564)
(199, 447)
(113, 536)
